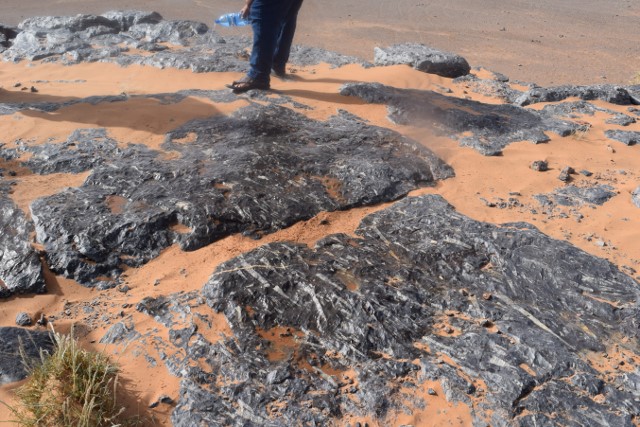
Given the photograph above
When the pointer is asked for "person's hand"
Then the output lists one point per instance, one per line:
(244, 12)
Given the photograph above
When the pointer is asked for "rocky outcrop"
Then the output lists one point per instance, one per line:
(635, 197)
(572, 195)
(16, 343)
(624, 136)
(258, 171)
(422, 58)
(7, 34)
(354, 324)
(492, 127)
(609, 93)
(574, 110)
(20, 267)
(119, 37)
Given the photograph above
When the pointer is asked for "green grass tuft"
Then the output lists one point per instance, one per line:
(70, 387)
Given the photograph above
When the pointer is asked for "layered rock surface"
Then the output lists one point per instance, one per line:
(20, 268)
(422, 293)
(19, 347)
(493, 127)
(258, 171)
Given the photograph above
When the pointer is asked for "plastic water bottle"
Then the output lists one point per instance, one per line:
(232, 20)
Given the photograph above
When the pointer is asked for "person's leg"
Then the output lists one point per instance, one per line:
(285, 38)
(266, 20)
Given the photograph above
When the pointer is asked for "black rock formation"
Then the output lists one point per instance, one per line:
(572, 195)
(258, 171)
(20, 267)
(360, 318)
(12, 340)
(422, 58)
(7, 34)
(574, 110)
(493, 127)
(497, 87)
(624, 136)
(613, 94)
(635, 197)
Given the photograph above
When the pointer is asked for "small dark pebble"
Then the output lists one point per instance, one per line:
(540, 166)
(432, 392)
(486, 323)
(565, 174)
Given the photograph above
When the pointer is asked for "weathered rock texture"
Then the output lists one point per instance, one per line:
(626, 137)
(422, 58)
(12, 365)
(504, 317)
(139, 38)
(609, 93)
(635, 197)
(20, 267)
(258, 171)
(571, 195)
(492, 126)
(577, 109)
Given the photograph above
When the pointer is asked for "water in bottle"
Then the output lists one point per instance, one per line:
(232, 20)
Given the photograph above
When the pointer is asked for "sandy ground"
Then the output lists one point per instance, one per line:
(556, 42)
(546, 41)
(617, 222)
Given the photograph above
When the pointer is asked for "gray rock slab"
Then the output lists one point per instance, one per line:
(12, 367)
(422, 58)
(496, 87)
(493, 127)
(120, 333)
(627, 137)
(262, 169)
(576, 109)
(572, 195)
(20, 267)
(365, 306)
(635, 197)
(613, 94)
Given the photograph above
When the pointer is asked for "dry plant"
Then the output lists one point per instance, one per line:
(582, 131)
(635, 80)
(69, 387)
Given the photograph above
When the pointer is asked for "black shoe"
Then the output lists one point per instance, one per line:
(280, 72)
(247, 84)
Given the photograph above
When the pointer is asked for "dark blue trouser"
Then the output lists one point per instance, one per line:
(274, 24)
